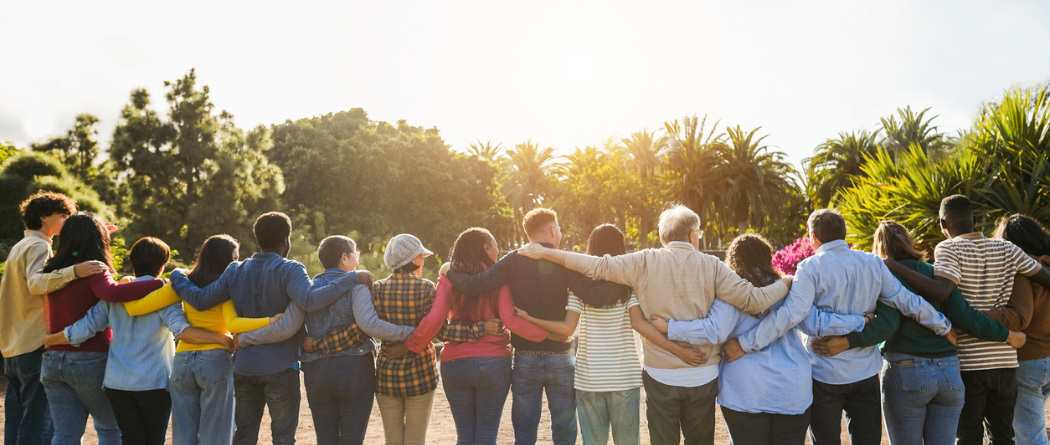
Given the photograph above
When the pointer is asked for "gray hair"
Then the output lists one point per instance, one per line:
(677, 222)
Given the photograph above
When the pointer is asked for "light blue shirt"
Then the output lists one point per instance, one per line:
(837, 279)
(773, 379)
(142, 349)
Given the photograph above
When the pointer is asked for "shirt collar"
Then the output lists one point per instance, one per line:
(971, 236)
(38, 234)
(334, 270)
(143, 278)
(836, 245)
(680, 245)
(265, 255)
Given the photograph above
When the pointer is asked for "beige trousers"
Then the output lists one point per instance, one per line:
(405, 419)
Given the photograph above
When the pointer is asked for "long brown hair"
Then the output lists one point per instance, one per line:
(893, 241)
(215, 255)
(751, 257)
(468, 256)
(83, 238)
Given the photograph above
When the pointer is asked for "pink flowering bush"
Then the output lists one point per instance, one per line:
(786, 260)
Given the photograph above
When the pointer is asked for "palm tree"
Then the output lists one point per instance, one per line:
(528, 178)
(753, 183)
(645, 154)
(912, 129)
(691, 162)
(486, 151)
(836, 163)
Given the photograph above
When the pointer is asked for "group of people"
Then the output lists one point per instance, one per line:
(781, 355)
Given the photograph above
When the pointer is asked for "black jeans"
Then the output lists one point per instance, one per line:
(340, 390)
(279, 392)
(863, 405)
(27, 418)
(766, 428)
(990, 398)
(674, 411)
(141, 415)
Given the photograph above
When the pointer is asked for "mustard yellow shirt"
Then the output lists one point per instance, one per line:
(222, 318)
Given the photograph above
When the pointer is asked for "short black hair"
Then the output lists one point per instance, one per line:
(827, 225)
(272, 229)
(957, 210)
(43, 204)
(148, 256)
(332, 249)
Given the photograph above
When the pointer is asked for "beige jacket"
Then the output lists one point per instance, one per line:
(678, 282)
(23, 293)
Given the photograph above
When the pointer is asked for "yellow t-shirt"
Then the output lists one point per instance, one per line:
(222, 318)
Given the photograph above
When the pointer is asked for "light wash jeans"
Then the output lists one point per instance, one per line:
(599, 410)
(532, 374)
(1033, 388)
(73, 383)
(202, 397)
(476, 388)
(921, 398)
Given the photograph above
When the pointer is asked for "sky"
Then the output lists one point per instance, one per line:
(563, 74)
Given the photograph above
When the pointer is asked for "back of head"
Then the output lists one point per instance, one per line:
(148, 256)
(1026, 233)
(893, 241)
(957, 212)
(272, 229)
(331, 250)
(469, 255)
(606, 239)
(42, 205)
(827, 225)
(83, 238)
(537, 220)
(677, 223)
(751, 257)
(217, 252)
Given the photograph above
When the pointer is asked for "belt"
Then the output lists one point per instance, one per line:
(532, 352)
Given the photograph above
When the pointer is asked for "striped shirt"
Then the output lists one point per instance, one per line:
(983, 269)
(607, 359)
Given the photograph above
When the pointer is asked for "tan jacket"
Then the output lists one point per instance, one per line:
(23, 293)
(678, 282)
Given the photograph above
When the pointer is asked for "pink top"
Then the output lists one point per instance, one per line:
(488, 346)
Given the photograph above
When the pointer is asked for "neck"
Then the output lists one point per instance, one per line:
(277, 251)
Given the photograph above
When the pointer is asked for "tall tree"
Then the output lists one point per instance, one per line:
(646, 154)
(195, 174)
(914, 129)
(28, 172)
(528, 181)
(836, 164)
(753, 182)
(77, 149)
(486, 151)
(692, 158)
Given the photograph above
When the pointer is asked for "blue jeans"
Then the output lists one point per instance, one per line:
(279, 392)
(73, 383)
(340, 391)
(1033, 388)
(599, 410)
(476, 388)
(26, 417)
(921, 398)
(202, 397)
(531, 375)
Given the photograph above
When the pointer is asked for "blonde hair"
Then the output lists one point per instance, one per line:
(892, 240)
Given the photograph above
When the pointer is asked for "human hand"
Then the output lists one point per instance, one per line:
(829, 346)
(788, 280)
(444, 269)
(868, 317)
(276, 317)
(560, 338)
(111, 228)
(660, 324)
(691, 356)
(951, 337)
(89, 268)
(732, 350)
(1016, 339)
(58, 338)
(229, 343)
(521, 313)
(394, 349)
(493, 326)
(532, 250)
(308, 344)
(365, 277)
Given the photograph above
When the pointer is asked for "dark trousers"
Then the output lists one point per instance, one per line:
(340, 391)
(141, 415)
(990, 398)
(674, 412)
(766, 428)
(27, 420)
(279, 392)
(862, 403)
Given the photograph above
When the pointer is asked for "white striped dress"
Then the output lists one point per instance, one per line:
(607, 359)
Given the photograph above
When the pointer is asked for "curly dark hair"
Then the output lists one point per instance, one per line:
(751, 257)
(43, 204)
(468, 256)
(1026, 233)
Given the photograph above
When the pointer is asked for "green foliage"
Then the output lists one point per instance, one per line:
(7, 151)
(78, 149)
(195, 174)
(591, 189)
(835, 164)
(29, 172)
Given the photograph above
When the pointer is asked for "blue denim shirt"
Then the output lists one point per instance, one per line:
(142, 349)
(263, 286)
(352, 307)
(841, 280)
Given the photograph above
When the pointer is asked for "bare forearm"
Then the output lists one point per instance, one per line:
(937, 288)
(200, 336)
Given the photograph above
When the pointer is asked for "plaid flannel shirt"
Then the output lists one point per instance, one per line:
(353, 336)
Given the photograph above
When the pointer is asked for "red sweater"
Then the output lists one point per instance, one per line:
(488, 346)
(71, 303)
